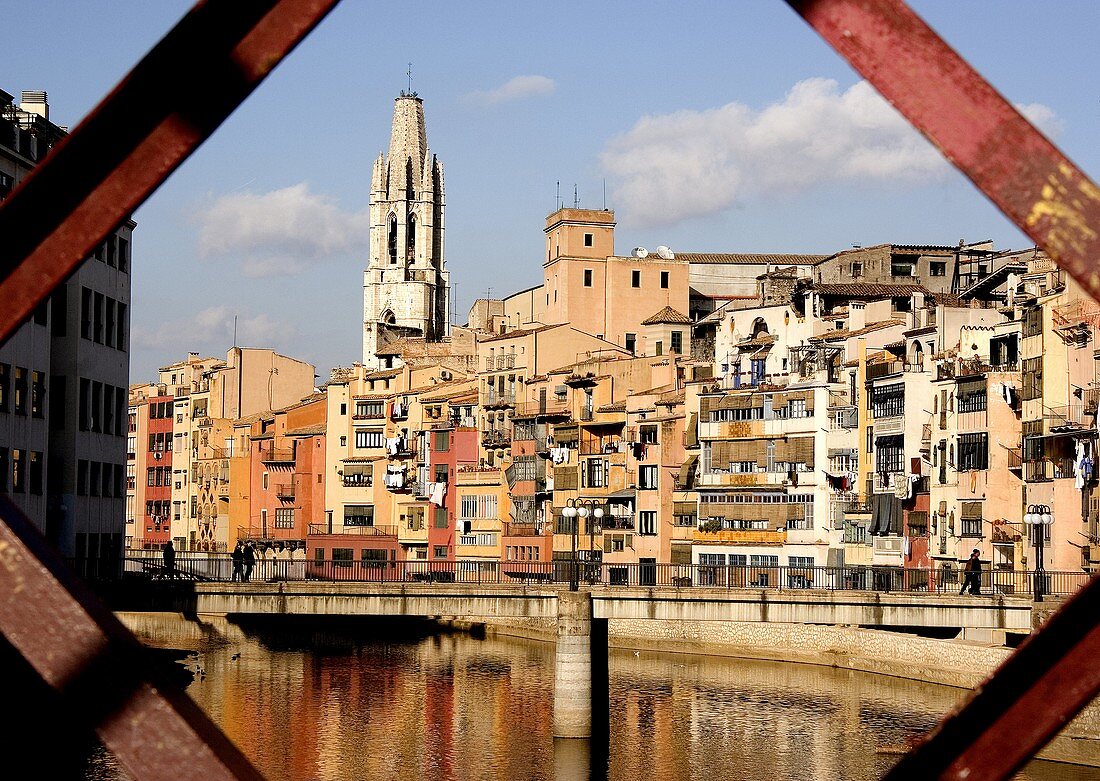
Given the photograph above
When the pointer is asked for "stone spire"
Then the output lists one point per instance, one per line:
(406, 284)
(408, 142)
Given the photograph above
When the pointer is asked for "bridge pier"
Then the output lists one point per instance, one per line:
(580, 667)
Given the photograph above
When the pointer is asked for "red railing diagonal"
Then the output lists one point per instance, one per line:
(95, 178)
(1036, 692)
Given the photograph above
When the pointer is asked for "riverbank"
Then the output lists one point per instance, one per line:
(956, 663)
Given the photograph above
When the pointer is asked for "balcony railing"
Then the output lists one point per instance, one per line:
(369, 531)
(284, 491)
(497, 399)
(1071, 415)
(593, 447)
(534, 408)
(496, 437)
(274, 455)
(358, 480)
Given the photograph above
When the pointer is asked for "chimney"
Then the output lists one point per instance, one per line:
(34, 102)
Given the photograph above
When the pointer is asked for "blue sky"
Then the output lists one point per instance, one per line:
(717, 127)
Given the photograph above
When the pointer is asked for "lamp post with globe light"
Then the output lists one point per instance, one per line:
(1039, 518)
(583, 509)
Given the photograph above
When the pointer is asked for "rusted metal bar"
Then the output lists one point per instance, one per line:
(178, 94)
(1052, 676)
(1024, 704)
(82, 652)
(981, 133)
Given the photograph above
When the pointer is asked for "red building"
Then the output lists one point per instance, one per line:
(452, 446)
(153, 478)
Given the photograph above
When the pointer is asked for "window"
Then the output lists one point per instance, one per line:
(19, 397)
(359, 515)
(85, 313)
(36, 472)
(439, 551)
(1032, 379)
(370, 437)
(631, 342)
(647, 522)
(676, 342)
(659, 348)
(588, 239)
(441, 441)
(478, 506)
(973, 451)
(902, 269)
(902, 304)
(888, 454)
(647, 435)
(588, 277)
(369, 409)
(594, 473)
(284, 517)
(97, 323)
(664, 279)
(440, 518)
(937, 268)
(971, 395)
(1033, 321)
(635, 278)
(120, 327)
(888, 401)
(857, 269)
(647, 477)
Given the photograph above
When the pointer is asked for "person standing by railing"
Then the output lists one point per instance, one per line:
(972, 574)
(249, 558)
(169, 554)
(238, 562)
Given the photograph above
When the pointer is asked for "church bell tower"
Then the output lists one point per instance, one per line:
(405, 286)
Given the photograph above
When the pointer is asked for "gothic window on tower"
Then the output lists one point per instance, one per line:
(393, 240)
(410, 239)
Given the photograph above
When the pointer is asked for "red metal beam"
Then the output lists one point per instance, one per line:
(981, 133)
(90, 183)
(179, 93)
(1053, 675)
(82, 652)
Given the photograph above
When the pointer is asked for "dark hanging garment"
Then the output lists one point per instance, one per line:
(886, 514)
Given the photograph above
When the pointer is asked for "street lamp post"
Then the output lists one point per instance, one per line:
(581, 509)
(1039, 519)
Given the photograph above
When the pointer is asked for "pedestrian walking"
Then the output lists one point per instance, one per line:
(249, 558)
(169, 554)
(972, 575)
(238, 562)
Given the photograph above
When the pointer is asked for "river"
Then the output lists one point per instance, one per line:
(370, 700)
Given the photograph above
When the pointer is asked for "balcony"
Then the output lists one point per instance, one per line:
(723, 478)
(740, 537)
(887, 482)
(523, 530)
(618, 523)
(473, 475)
(366, 530)
(498, 400)
(534, 409)
(274, 455)
(496, 438)
(1039, 471)
(358, 480)
(203, 422)
(1071, 416)
(884, 369)
(402, 449)
(285, 491)
(371, 415)
(595, 447)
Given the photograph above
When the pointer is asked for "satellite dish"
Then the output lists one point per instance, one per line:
(640, 252)
(665, 252)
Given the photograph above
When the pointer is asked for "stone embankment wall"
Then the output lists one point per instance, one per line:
(960, 664)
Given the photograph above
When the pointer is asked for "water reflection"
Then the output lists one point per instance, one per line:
(311, 704)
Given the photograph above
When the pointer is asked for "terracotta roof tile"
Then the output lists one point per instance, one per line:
(760, 258)
(867, 289)
(667, 315)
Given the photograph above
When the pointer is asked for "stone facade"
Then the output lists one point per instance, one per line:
(406, 285)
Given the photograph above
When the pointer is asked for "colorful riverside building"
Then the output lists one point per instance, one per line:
(149, 467)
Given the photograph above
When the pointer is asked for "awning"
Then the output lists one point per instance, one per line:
(626, 493)
(685, 477)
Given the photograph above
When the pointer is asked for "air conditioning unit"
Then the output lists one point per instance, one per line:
(445, 374)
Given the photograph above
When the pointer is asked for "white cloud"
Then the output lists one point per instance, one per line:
(277, 232)
(686, 164)
(213, 328)
(516, 88)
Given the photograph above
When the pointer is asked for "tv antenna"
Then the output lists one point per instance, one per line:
(409, 73)
(576, 200)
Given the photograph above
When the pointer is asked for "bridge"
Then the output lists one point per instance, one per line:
(581, 616)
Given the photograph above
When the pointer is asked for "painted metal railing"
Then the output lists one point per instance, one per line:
(559, 571)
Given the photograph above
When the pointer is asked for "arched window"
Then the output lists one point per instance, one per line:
(392, 241)
(388, 317)
(410, 239)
